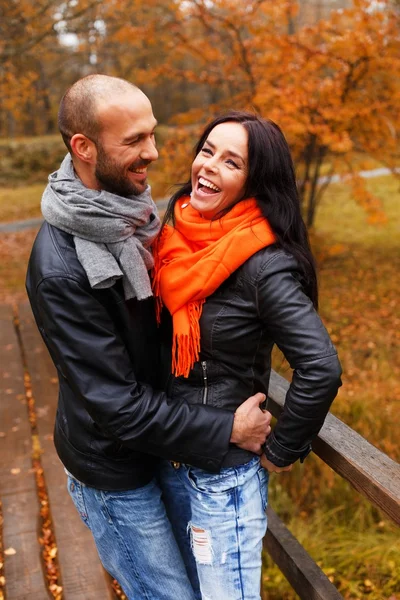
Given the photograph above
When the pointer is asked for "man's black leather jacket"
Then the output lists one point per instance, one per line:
(263, 303)
(111, 422)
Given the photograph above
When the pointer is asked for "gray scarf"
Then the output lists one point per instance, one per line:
(112, 234)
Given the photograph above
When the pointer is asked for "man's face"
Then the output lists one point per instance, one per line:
(126, 145)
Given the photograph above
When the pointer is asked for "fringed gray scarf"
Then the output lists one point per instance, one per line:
(112, 234)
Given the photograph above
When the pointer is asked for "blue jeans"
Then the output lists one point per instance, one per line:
(134, 540)
(219, 522)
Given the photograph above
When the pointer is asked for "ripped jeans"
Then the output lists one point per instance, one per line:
(219, 522)
(134, 540)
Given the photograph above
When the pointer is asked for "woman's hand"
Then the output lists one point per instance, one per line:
(267, 464)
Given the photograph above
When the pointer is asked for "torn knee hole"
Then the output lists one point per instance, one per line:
(201, 544)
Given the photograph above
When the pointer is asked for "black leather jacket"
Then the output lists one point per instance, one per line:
(106, 354)
(263, 303)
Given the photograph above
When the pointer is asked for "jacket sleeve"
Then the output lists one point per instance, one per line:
(90, 354)
(296, 328)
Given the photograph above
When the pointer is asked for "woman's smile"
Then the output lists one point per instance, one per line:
(207, 187)
(219, 171)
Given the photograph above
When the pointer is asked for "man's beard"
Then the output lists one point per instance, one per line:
(112, 176)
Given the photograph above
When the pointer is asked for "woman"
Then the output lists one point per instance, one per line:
(236, 273)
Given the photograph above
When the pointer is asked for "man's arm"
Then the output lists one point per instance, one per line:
(249, 430)
(90, 354)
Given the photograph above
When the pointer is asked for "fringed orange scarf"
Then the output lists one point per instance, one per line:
(193, 258)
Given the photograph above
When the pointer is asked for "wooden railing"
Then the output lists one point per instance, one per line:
(28, 376)
(369, 471)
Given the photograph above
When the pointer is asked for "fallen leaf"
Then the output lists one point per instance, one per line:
(10, 551)
(15, 471)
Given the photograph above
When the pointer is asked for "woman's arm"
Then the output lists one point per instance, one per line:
(292, 322)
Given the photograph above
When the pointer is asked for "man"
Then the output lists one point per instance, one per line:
(90, 293)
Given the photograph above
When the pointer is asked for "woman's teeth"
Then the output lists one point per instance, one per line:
(208, 184)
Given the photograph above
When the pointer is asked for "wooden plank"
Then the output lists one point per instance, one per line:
(83, 577)
(303, 574)
(370, 471)
(22, 570)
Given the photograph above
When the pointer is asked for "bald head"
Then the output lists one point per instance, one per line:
(78, 111)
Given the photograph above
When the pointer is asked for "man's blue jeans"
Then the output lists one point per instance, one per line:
(134, 540)
(219, 522)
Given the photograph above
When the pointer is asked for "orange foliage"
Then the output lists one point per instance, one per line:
(30, 56)
(333, 86)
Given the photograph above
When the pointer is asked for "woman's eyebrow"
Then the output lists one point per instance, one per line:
(230, 152)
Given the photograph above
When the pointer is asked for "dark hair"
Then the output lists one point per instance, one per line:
(78, 106)
(271, 181)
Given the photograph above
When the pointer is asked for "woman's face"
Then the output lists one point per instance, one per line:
(219, 171)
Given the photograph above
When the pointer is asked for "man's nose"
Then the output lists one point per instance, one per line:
(149, 151)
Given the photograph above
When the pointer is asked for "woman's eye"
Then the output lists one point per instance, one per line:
(206, 150)
(231, 162)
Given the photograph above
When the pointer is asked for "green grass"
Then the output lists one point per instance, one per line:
(17, 204)
(360, 558)
(341, 220)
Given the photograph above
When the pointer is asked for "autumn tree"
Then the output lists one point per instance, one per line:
(32, 59)
(337, 97)
(332, 86)
(331, 83)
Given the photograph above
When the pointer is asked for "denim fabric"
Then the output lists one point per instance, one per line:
(219, 522)
(134, 540)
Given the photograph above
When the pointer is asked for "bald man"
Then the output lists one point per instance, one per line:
(90, 293)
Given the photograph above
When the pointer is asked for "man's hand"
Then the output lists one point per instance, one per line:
(251, 425)
(267, 464)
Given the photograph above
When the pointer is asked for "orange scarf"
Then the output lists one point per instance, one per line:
(193, 258)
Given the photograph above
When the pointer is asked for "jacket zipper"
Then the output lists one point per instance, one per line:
(205, 392)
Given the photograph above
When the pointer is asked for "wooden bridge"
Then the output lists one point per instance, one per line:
(36, 506)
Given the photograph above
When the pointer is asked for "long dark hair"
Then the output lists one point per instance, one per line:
(271, 181)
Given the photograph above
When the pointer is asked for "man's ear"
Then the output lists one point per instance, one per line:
(83, 148)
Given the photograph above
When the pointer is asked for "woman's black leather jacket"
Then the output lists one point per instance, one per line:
(263, 303)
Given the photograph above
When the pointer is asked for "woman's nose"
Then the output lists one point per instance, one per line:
(210, 164)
